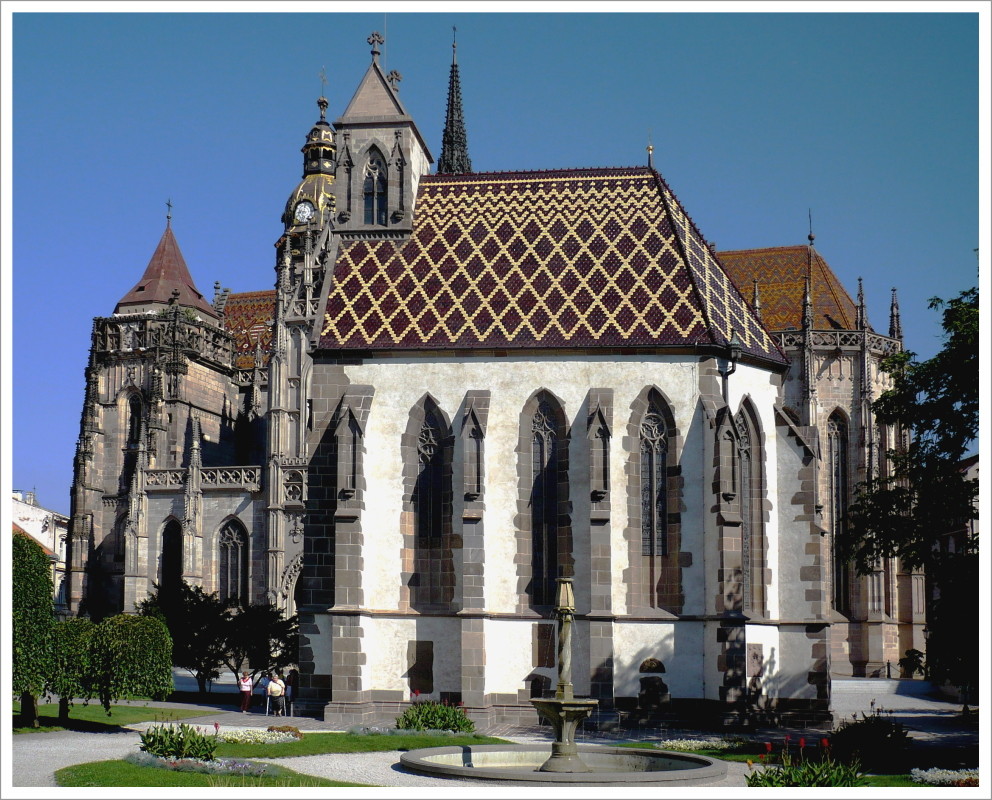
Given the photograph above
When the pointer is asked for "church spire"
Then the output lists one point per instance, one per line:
(861, 318)
(454, 141)
(895, 324)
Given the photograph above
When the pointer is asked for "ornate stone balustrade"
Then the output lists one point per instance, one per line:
(131, 332)
(244, 478)
(831, 340)
(249, 478)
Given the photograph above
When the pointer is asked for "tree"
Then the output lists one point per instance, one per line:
(130, 656)
(909, 512)
(262, 637)
(197, 622)
(71, 675)
(33, 613)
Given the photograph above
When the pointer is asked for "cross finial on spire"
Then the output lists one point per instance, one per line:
(168, 215)
(394, 78)
(810, 236)
(375, 39)
(322, 100)
(454, 43)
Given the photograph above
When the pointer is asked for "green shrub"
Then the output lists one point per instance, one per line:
(178, 741)
(801, 772)
(876, 740)
(430, 715)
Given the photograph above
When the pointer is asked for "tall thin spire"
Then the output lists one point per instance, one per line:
(861, 313)
(895, 324)
(454, 141)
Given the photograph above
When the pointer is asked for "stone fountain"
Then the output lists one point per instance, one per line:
(565, 711)
(589, 764)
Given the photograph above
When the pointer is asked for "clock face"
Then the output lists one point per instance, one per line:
(304, 211)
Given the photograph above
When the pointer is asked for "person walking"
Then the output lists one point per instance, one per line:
(245, 687)
(276, 691)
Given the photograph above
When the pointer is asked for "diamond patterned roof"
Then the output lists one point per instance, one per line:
(781, 275)
(577, 258)
(246, 317)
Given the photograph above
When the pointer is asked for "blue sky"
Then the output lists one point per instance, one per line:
(869, 119)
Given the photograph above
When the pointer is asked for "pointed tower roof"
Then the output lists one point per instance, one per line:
(782, 273)
(166, 272)
(377, 98)
(454, 141)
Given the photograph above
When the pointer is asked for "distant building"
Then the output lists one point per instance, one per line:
(51, 530)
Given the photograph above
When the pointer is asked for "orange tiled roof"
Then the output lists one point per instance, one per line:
(247, 317)
(571, 258)
(781, 275)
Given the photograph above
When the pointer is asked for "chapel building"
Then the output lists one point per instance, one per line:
(466, 385)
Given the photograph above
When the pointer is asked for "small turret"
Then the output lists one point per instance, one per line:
(895, 324)
(312, 202)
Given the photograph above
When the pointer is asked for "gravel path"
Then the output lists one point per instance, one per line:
(36, 757)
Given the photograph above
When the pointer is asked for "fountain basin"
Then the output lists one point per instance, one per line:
(607, 765)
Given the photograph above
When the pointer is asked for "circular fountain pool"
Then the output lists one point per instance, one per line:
(607, 765)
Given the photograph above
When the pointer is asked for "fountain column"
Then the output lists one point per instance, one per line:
(565, 711)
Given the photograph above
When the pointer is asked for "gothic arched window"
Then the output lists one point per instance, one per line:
(233, 562)
(428, 494)
(654, 483)
(171, 564)
(837, 454)
(745, 480)
(374, 189)
(545, 435)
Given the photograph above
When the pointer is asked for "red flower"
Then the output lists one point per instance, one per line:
(761, 756)
(416, 692)
(802, 742)
(787, 737)
(824, 742)
(768, 747)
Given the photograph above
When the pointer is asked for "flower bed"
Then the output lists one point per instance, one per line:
(711, 743)
(945, 777)
(255, 736)
(218, 766)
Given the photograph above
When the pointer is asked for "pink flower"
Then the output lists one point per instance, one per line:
(216, 728)
(788, 738)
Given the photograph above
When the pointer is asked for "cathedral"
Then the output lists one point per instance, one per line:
(464, 386)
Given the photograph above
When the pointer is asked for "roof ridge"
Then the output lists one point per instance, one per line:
(440, 178)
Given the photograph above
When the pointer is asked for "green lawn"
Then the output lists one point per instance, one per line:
(123, 773)
(93, 719)
(314, 744)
